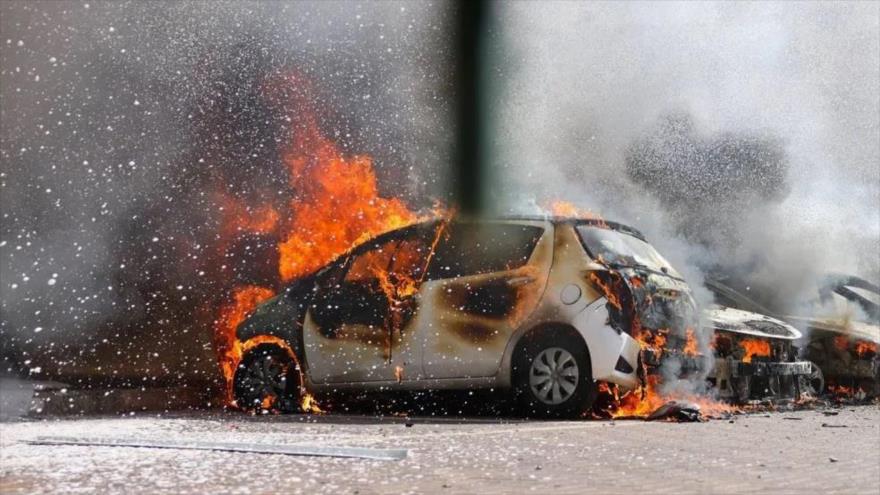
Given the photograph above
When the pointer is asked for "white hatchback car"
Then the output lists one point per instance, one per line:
(515, 303)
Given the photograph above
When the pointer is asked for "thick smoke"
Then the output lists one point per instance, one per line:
(742, 139)
(128, 126)
(700, 179)
(708, 185)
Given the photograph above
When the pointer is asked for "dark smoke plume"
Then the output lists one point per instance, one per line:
(130, 127)
(708, 184)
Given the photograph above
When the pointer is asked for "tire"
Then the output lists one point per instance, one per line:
(266, 381)
(541, 392)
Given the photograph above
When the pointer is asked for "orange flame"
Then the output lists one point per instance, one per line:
(842, 392)
(646, 399)
(606, 289)
(245, 299)
(690, 347)
(652, 339)
(337, 203)
(336, 206)
(228, 347)
(640, 402)
(561, 208)
(865, 349)
(754, 347)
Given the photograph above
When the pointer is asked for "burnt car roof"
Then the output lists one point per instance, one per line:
(596, 222)
(867, 330)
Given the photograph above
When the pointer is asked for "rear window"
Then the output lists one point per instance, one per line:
(616, 248)
(473, 248)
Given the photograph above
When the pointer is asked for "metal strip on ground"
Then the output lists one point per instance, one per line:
(251, 448)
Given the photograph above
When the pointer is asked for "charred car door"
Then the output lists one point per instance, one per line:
(482, 282)
(358, 328)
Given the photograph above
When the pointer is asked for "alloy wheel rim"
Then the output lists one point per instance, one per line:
(553, 376)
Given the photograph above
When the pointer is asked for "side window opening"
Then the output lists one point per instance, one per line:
(474, 248)
(366, 266)
(372, 285)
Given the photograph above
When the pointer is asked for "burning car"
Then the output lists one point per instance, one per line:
(756, 357)
(842, 347)
(747, 357)
(542, 307)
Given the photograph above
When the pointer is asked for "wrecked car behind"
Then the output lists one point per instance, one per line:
(840, 336)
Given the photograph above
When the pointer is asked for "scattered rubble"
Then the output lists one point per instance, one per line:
(678, 411)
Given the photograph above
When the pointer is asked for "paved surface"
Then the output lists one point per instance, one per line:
(775, 453)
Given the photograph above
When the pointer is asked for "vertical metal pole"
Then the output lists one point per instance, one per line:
(469, 33)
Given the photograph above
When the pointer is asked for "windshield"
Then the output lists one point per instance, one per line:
(616, 248)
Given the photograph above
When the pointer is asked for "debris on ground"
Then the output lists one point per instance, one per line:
(678, 411)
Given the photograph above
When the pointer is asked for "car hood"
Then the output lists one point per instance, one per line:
(839, 326)
(745, 322)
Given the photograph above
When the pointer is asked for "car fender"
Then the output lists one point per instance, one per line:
(607, 346)
(279, 317)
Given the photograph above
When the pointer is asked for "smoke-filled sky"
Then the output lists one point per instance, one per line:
(122, 122)
(588, 85)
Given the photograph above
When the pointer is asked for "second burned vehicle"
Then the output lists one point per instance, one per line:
(841, 331)
(540, 307)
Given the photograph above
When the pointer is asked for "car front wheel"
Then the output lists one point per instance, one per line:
(553, 377)
(266, 380)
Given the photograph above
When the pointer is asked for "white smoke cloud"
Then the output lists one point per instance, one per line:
(583, 81)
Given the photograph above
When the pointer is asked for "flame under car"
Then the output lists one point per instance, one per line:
(541, 307)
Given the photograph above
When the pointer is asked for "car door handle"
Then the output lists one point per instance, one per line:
(518, 281)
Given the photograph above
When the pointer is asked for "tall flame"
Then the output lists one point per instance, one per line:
(229, 348)
(336, 205)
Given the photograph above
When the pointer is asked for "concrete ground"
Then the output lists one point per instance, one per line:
(791, 452)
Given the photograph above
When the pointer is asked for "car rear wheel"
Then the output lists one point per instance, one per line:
(266, 380)
(553, 377)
